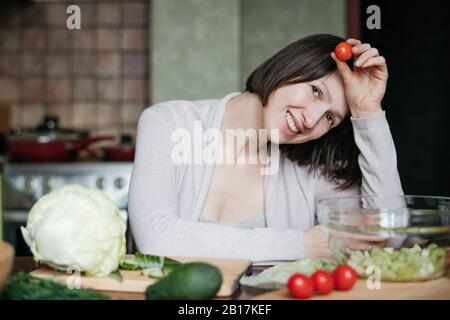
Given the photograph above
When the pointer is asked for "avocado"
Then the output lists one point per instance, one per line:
(190, 281)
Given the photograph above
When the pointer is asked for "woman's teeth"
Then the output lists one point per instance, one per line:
(291, 122)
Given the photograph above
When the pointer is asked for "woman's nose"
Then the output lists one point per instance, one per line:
(312, 115)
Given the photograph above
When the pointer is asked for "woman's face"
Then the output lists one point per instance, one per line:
(306, 111)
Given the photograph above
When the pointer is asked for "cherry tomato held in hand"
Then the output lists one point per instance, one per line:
(323, 282)
(300, 286)
(343, 51)
(344, 277)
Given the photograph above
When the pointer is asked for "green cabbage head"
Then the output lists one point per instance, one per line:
(76, 227)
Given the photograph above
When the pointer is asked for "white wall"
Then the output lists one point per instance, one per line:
(195, 49)
(270, 25)
(207, 48)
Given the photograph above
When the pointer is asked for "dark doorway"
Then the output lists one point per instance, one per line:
(414, 38)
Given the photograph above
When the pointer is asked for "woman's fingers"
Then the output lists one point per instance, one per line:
(343, 68)
(316, 243)
(359, 49)
(363, 58)
(363, 238)
(375, 61)
(353, 42)
(360, 245)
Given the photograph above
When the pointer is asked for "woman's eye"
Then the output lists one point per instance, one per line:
(330, 119)
(316, 91)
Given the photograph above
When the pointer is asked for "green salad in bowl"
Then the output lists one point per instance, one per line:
(404, 238)
(404, 264)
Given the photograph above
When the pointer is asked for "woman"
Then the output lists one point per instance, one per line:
(334, 141)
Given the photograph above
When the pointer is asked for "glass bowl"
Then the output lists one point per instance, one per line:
(397, 238)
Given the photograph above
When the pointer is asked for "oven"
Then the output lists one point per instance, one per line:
(24, 184)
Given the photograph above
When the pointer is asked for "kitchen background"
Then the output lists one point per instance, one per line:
(96, 78)
(126, 56)
(129, 55)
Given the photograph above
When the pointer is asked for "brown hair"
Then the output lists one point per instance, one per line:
(335, 154)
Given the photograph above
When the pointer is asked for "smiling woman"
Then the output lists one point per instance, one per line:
(326, 117)
(317, 131)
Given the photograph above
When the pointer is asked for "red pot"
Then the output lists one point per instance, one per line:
(122, 152)
(48, 143)
(119, 153)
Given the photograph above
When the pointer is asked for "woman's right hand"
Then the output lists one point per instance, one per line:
(316, 243)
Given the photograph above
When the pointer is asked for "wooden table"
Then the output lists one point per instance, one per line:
(438, 289)
(407, 291)
(27, 264)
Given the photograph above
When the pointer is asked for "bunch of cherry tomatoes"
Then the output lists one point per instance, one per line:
(321, 282)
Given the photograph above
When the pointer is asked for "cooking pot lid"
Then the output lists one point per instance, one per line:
(47, 131)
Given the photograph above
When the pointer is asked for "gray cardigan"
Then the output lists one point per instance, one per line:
(166, 199)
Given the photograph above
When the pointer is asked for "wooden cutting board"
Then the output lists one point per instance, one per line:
(134, 281)
(438, 289)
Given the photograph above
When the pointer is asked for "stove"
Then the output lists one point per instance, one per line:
(25, 183)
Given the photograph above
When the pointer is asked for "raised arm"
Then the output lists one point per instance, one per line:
(365, 86)
(378, 161)
(158, 229)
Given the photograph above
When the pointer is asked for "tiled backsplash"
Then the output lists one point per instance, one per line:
(95, 78)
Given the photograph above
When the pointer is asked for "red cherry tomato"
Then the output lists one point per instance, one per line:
(344, 277)
(343, 51)
(300, 286)
(323, 282)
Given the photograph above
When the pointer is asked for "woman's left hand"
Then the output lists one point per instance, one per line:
(365, 85)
